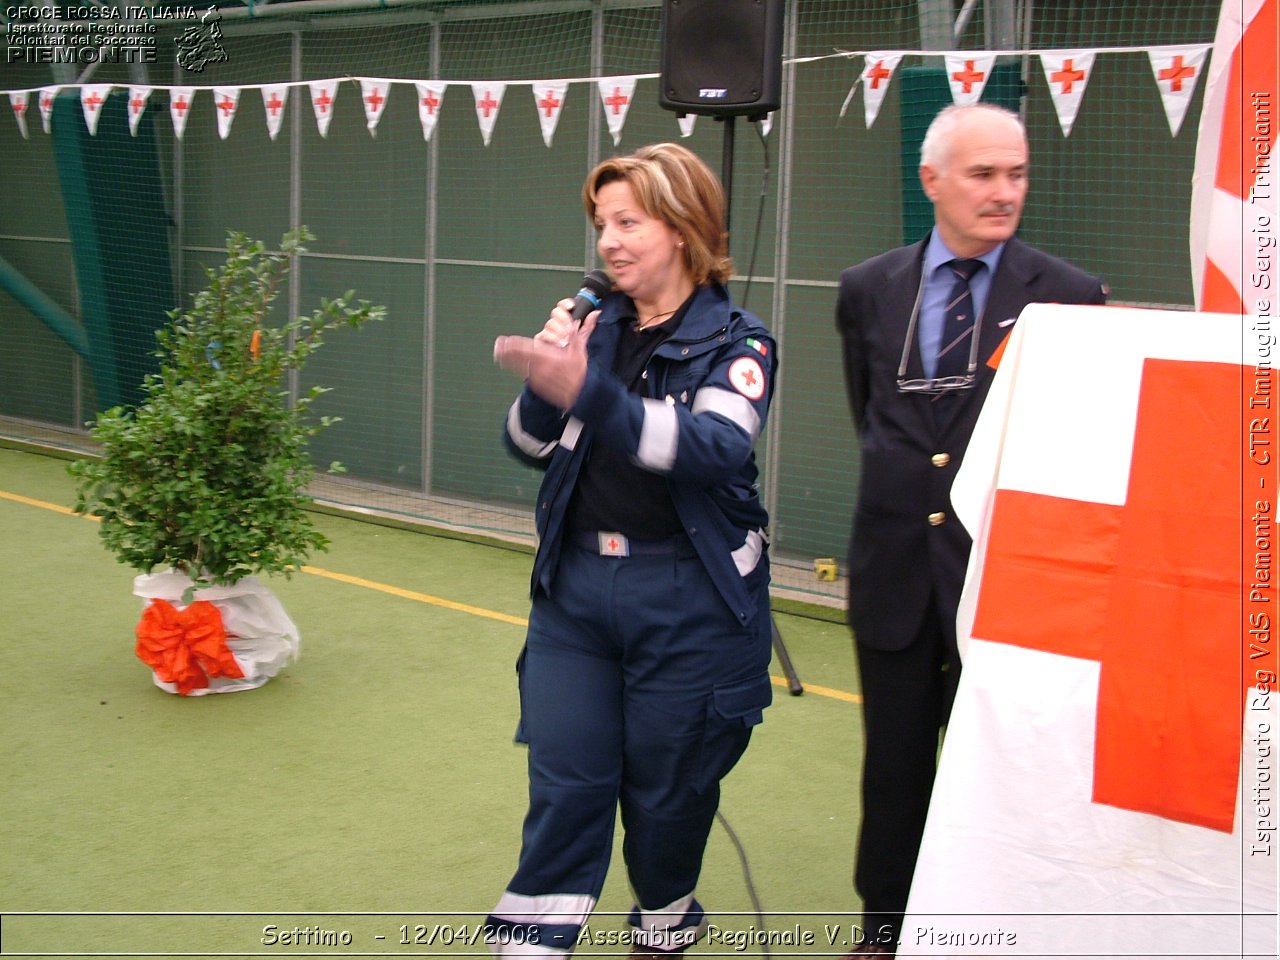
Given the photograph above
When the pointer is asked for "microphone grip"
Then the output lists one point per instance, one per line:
(595, 286)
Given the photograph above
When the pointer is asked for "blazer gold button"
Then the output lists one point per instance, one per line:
(940, 459)
(937, 519)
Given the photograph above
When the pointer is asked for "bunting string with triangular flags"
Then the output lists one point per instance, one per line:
(1175, 70)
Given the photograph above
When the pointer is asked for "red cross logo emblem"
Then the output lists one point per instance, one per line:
(1152, 591)
(968, 76)
(1176, 72)
(136, 105)
(275, 104)
(549, 103)
(488, 104)
(431, 101)
(877, 73)
(747, 377)
(19, 107)
(181, 106)
(227, 106)
(375, 100)
(617, 100)
(1068, 76)
(93, 101)
(323, 101)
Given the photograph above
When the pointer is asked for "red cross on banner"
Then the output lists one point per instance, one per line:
(616, 94)
(47, 95)
(430, 96)
(374, 94)
(323, 93)
(1177, 70)
(274, 99)
(93, 96)
(138, 97)
(549, 96)
(1067, 74)
(488, 98)
(18, 101)
(226, 100)
(968, 75)
(1151, 590)
(180, 99)
(876, 73)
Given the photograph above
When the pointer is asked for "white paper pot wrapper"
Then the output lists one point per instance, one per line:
(260, 635)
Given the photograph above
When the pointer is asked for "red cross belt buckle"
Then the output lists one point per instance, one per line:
(613, 544)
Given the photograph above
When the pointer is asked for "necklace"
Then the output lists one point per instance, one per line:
(650, 323)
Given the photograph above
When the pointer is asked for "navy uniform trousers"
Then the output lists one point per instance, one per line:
(638, 689)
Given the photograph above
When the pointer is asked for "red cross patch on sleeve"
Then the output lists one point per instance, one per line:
(747, 377)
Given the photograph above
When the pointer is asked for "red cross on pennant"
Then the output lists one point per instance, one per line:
(181, 106)
(323, 101)
(488, 104)
(877, 73)
(549, 103)
(613, 544)
(46, 102)
(19, 107)
(275, 104)
(1150, 589)
(136, 104)
(968, 76)
(617, 100)
(375, 100)
(431, 101)
(93, 101)
(1176, 73)
(1068, 76)
(227, 105)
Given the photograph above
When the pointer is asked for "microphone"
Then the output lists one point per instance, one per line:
(595, 286)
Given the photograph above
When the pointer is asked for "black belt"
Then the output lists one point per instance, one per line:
(607, 543)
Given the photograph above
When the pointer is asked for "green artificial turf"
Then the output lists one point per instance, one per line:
(372, 786)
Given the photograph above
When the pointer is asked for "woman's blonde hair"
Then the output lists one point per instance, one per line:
(672, 184)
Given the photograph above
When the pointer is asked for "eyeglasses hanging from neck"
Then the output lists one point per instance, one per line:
(936, 386)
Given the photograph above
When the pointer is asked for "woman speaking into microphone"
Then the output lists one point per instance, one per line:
(645, 666)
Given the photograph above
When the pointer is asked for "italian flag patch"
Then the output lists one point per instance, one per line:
(757, 345)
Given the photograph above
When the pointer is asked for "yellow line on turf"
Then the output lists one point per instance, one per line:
(422, 597)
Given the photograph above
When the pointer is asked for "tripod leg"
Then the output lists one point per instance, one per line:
(784, 658)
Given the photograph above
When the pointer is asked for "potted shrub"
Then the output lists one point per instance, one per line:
(203, 484)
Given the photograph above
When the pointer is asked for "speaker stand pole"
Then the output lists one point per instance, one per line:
(726, 178)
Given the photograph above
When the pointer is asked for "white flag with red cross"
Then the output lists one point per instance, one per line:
(1177, 71)
(374, 94)
(138, 97)
(549, 96)
(323, 93)
(430, 98)
(225, 102)
(1108, 764)
(1235, 208)
(18, 101)
(968, 73)
(180, 100)
(92, 97)
(616, 94)
(1067, 73)
(488, 97)
(47, 96)
(877, 72)
(274, 98)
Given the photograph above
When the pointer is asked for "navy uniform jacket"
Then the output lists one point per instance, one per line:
(906, 544)
(708, 389)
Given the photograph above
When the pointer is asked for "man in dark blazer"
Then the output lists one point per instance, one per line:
(914, 410)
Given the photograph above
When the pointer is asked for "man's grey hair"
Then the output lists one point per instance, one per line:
(935, 149)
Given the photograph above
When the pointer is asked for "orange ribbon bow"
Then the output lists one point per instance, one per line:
(185, 647)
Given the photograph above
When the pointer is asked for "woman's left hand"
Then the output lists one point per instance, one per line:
(553, 372)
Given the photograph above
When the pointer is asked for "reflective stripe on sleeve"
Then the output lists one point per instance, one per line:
(731, 405)
(527, 442)
(572, 431)
(659, 436)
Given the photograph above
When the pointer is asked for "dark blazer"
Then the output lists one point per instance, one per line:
(905, 542)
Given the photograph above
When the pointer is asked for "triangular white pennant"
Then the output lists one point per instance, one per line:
(323, 93)
(374, 94)
(616, 94)
(430, 99)
(766, 124)
(876, 74)
(18, 100)
(968, 74)
(488, 102)
(92, 97)
(549, 96)
(180, 99)
(686, 124)
(47, 96)
(1177, 69)
(274, 99)
(1067, 72)
(137, 106)
(225, 101)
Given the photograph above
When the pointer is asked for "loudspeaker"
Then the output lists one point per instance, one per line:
(721, 58)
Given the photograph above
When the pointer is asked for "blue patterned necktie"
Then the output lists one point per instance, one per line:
(958, 320)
